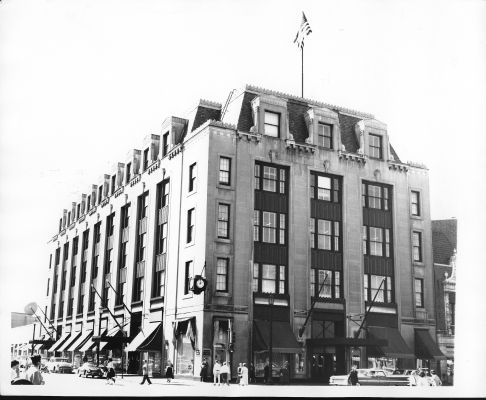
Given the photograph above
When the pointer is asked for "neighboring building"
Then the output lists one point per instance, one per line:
(444, 238)
(20, 319)
(278, 201)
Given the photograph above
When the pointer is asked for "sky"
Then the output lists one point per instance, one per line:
(83, 82)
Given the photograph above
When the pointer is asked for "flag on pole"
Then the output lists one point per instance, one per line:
(303, 31)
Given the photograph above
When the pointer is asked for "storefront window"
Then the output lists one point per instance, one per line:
(382, 363)
(185, 356)
(299, 363)
(278, 360)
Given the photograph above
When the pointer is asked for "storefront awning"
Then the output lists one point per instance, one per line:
(154, 342)
(283, 339)
(61, 340)
(396, 347)
(89, 344)
(111, 340)
(80, 341)
(69, 341)
(425, 347)
(142, 336)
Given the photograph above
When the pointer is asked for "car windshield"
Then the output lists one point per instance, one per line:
(59, 359)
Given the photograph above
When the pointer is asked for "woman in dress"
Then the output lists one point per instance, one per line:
(169, 371)
(244, 375)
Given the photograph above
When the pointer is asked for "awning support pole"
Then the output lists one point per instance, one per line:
(40, 322)
(356, 334)
(302, 329)
(124, 305)
(112, 316)
(47, 319)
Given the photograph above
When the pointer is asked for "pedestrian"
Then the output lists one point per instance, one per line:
(110, 374)
(353, 376)
(252, 373)
(15, 370)
(422, 379)
(217, 373)
(85, 358)
(33, 374)
(169, 371)
(204, 371)
(225, 373)
(244, 375)
(238, 373)
(435, 378)
(284, 374)
(145, 373)
(266, 373)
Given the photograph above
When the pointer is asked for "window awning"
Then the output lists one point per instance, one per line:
(142, 336)
(111, 340)
(69, 341)
(154, 342)
(80, 341)
(89, 344)
(396, 347)
(61, 340)
(283, 339)
(425, 347)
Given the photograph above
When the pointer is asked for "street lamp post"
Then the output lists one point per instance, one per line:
(270, 351)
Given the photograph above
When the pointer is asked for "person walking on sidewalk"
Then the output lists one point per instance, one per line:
(110, 375)
(244, 375)
(145, 373)
(204, 371)
(225, 373)
(353, 377)
(239, 372)
(169, 371)
(217, 373)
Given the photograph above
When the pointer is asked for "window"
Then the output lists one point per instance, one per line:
(324, 234)
(419, 292)
(192, 177)
(323, 329)
(270, 178)
(88, 204)
(417, 246)
(375, 196)
(48, 283)
(225, 171)
(222, 274)
(96, 249)
(223, 220)
(187, 277)
(328, 284)
(269, 227)
(190, 226)
(145, 158)
(78, 211)
(113, 183)
(375, 146)
(373, 286)
(272, 124)
(325, 187)
(165, 144)
(128, 171)
(415, 203)
(100, 193)
(269, 278)
(376, 241)
(324, 132)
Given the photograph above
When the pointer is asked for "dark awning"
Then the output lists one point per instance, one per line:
(349, 342)
(153, 341)
(425, 347)
(283, 339)
(396, 347)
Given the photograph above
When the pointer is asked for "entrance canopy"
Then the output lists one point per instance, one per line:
(142, 336)
(111, 340)
(69, 341)
(80, 341)
(425, 347)
(283, 339)
(396, 347)
(61, 340)
(154, 341)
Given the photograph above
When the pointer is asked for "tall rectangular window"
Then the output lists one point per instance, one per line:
(270, 178)
(269, 227)
(123, 255)
(223, 220)
(128, 172)
(272, 124)
(325, 187)
(192, 177)
(140, 247)
(190, 225)
(224, 171)
(376, 241)
(324, 234)
(375, 196)
(419, 292)
(165, 144)
(158, 285)
(187, 277)
(100, 193)
(222, 274)
(145, 158)
(375, 146)
(417, 246)
(379, 286)
(325, 283)
(415, 203)
(324, 132)
(269, 278)
(113, 183)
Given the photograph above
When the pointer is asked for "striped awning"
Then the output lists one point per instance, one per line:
(80, 341)
(61, 340)
(69, 341)
(143, 335)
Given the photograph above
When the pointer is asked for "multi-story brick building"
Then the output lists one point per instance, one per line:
(444, 238)
(278, 202)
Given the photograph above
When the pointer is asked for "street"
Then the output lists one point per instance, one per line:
(71, 384)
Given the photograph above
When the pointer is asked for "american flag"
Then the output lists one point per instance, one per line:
(303, 31)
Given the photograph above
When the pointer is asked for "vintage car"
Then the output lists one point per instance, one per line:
(90, 369)
(59, 364)
(375, 377)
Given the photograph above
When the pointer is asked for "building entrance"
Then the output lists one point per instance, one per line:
(323, 366)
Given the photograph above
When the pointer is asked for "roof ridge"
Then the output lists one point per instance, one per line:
(314, 102)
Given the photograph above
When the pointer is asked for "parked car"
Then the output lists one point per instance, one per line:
(375, 377)
(90, 369)
(59, 364)
(404, 372)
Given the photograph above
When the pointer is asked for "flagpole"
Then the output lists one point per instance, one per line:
(302, 51)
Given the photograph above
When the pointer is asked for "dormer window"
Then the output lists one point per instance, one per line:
(375, 146)
(129, 167)
(113, 183)
(324, 132)
(272, 124)
(165, 144)
(145, 159)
